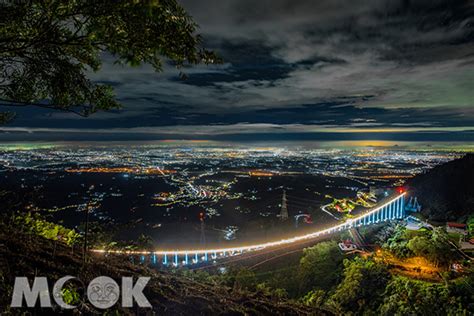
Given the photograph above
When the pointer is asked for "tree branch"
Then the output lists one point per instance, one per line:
(5, 102)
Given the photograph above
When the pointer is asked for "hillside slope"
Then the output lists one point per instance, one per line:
(22, 255)
(446, 191)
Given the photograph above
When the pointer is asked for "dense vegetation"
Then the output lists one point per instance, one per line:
(431, 244)
(369, 284)
(35, 225)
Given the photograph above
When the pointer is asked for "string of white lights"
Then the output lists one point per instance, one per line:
(255, 246)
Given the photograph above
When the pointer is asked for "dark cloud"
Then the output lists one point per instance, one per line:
(327, 63)
(342, 113)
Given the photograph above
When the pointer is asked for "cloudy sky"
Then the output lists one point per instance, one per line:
(327, 69)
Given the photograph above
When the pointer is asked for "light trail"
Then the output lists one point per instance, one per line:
(234, 250)
(324, 209)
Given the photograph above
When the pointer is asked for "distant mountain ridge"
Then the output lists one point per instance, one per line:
(446, 192)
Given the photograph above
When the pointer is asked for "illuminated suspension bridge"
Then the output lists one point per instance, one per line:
(391, 210)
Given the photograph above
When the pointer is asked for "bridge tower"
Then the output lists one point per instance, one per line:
(284, 208)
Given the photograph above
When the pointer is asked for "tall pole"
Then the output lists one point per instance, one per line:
(284, 208)
(86, 229)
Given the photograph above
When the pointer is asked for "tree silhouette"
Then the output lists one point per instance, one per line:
(48, 47)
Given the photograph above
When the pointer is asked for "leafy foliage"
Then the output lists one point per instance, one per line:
(362, 287)
(70, 296)
(470, 225)
(411, 297)
(36, 225)
(245, 279)
(315, 298)
(397, 243)
(48, 47)
(434, 247)
(320, 267)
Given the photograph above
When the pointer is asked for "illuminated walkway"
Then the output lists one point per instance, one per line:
(393, 209)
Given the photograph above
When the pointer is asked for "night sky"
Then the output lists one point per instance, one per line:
(299, 70)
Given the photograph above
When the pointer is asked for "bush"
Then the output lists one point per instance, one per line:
(36, 225)
(320, 267)
(412, 297)
(315, 298)
(245, 279)
(362, 287)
